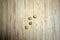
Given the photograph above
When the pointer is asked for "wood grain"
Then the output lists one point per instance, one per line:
(30, 19)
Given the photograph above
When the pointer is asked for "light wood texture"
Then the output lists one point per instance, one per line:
(30, 19)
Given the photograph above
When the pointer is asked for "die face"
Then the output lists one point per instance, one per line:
(31, 16)
(30, 19)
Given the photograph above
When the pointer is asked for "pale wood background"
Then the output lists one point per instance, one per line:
(14, 16)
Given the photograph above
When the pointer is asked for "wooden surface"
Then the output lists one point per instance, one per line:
(30, 19)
